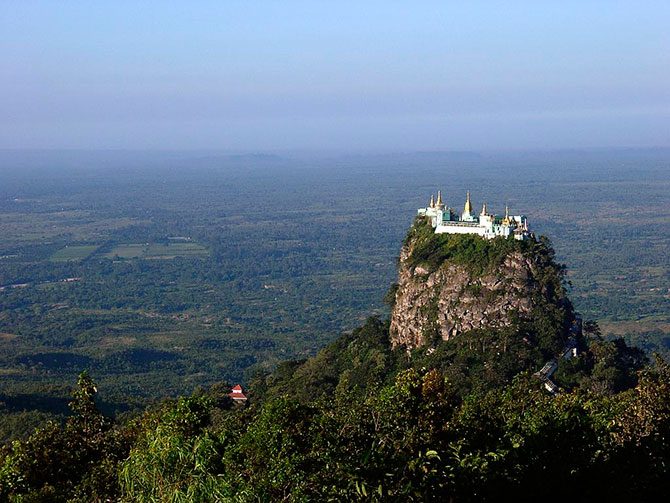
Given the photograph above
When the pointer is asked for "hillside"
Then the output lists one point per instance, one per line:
(452, 284)
(424, 407)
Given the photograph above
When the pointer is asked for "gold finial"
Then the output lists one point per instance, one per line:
(506, 219)
(432, 201)
(468, 204)
(439, 199)
(484, 212)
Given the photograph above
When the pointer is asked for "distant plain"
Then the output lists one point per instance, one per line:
(161, 272)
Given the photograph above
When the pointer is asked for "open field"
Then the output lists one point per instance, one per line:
(128, 251)
(156, 251)
(73, 253)
(20, 226)
(172, 250)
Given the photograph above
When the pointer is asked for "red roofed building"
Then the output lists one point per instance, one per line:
(237, 394)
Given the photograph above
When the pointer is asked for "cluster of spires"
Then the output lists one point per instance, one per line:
(467, 209)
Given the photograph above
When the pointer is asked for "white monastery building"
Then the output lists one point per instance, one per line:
(487, 225)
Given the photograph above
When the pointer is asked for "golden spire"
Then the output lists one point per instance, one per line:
(484, 212)
(432, 201)
(468, 205)
(439, 199)
(506, 219)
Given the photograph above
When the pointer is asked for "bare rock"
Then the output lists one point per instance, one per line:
(453, 300)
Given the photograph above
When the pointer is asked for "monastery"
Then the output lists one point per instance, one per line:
(447, 221)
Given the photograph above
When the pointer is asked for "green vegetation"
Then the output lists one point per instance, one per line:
(478, 255)
(73, 253)
(463, 421)
(297, 251)
(156, 251)
(553, 314)
(346, 368)
(359, 422)
(128, 251)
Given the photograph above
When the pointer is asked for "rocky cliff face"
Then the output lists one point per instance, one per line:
(442, 300)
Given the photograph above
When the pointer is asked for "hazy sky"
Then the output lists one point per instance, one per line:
(350, 75)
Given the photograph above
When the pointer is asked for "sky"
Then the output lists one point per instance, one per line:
(276, 75)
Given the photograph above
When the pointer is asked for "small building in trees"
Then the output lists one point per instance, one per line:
(237, 394)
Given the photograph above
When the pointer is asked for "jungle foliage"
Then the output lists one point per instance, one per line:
(430, 249)
(330, 429)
